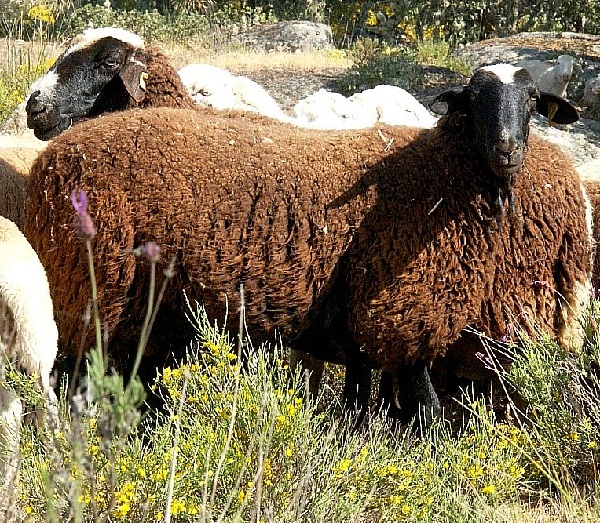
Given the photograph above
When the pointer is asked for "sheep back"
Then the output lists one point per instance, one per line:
(17, 154)
(415, 283)
(237, 198)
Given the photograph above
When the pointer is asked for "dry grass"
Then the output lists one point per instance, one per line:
(244, 60)
(180, 55)
(552, 512)
(14, 52)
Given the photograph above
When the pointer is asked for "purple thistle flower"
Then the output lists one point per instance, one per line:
(84, 226)
(150, 250)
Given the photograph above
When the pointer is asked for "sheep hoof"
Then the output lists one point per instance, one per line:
(415, 395)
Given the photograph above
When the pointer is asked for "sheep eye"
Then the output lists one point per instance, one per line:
(110, 63)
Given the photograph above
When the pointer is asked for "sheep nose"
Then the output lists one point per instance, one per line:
(508, 151)
(34, 106)
(506, 146)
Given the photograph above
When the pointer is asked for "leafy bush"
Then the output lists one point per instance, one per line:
(151, 25)
(377, 63)
(241, 442)
(16, 79)
(462, 22)
(557, 406)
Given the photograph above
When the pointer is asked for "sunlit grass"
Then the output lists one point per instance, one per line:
(240, 59)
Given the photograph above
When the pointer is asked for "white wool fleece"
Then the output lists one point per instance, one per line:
(25, 293)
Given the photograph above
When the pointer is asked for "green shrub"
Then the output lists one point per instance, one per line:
(377, 63)
(462, 22)
(558, 408)
(151, 25)
(241, 442)
(15, 81)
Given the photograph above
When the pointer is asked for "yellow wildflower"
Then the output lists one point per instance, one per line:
(489, 489)
(177, 506)
(41, 13)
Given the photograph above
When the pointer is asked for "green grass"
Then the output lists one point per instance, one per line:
(244, 444)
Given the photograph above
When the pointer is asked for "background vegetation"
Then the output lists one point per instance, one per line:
(384, 39)
(244, 443)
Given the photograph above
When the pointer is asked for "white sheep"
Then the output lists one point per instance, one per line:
(17, 153)
(28, 334)
(327, 110)
(395, 106)
(216, 87)
(551, 76)
(385, 103)
(591, 94)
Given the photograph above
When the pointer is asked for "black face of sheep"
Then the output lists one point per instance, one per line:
(496, 105)
(101, 70)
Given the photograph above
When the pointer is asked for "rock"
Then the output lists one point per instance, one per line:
(291, 36)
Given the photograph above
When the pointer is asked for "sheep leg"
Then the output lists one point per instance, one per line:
(387, 401)
(50, 416)
(357, 385)
(313, 368)
(416, 395)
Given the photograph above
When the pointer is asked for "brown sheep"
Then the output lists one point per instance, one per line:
(102, 70)
(281, 229)
(357, 251)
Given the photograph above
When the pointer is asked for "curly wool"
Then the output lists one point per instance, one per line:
(390, 243)
(409, 303)
(238, 199)
(164, 87)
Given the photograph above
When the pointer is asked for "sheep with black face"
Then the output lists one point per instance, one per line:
(103, 70)
(369, 253)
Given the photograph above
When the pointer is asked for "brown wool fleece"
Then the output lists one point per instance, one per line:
(463, 269)
(398, 229)
(163, 85)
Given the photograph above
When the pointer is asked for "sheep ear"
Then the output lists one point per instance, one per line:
(556, 109)
(450, 102)
(133, 75)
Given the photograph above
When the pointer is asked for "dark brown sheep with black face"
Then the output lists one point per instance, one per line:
(370, 253)
(102, 70)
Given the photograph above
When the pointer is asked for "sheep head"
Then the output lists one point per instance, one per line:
(495, 108)
(101, 69)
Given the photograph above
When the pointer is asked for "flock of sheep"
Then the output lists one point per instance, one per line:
(364, 230)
